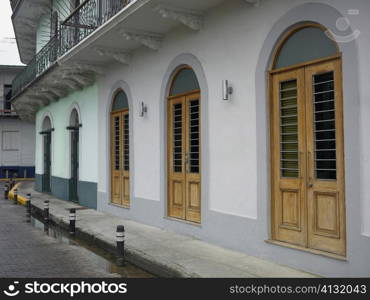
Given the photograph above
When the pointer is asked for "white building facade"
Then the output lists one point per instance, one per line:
(241, 123)
(17, 152)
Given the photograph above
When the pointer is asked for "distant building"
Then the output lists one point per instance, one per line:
(17, 137)
(243, 123)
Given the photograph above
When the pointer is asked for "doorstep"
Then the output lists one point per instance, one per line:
(163, 253)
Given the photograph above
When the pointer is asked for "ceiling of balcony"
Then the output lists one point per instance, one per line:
(142, 16)
(25, 19)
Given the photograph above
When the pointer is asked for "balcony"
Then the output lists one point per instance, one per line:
(96, 35)
(8, 113)
(84, 20)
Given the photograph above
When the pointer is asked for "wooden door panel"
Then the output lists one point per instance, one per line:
(176, 199)
(291, 216)
(193, 202)
(326, 215)
(126, 191)
(325, 146)
(116, 188)
(125, 171)
(116, 158)
(193, 158)
(176, 158)
(288, 158)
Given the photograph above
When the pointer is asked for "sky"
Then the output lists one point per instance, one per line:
(8, 46)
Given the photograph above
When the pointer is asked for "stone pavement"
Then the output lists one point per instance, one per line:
(158, 251)
(27, 252)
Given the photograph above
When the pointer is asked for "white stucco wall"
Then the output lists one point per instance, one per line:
(235, 143)
(235, 33)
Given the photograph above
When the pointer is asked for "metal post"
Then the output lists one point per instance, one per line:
(120, 238)
(6, 192)
(46, 211)
(15, 198)
(28, 208)
(72, 221)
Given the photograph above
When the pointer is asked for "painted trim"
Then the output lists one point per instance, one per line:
(73, 106)
(290, 32)
(326, 15)
(117, 86)
(179, 62)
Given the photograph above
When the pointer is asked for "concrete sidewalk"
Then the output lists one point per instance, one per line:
(160, 252)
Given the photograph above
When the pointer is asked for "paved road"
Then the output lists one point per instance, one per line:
(27, 252)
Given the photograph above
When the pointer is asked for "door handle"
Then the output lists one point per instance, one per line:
(310, 167)
(300, 161)
(187, 162)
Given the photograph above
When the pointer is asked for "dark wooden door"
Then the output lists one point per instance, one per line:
(47, 163)
(74, 165)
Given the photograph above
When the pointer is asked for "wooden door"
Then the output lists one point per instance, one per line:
(47, 163)
(289, 166)
(307, 157)
(325, 186)
(120, 158)
(184, 157)
(74, 164)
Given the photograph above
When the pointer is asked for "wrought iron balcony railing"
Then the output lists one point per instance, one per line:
(83, 20)
(38, 65)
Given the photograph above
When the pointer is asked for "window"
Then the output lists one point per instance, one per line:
(7, 96)
(185, 81)
(10, 140)
(120, 101)
(303, 45)
(54, 24)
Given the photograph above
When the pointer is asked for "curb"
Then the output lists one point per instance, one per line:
(132, 255)
(21, 200)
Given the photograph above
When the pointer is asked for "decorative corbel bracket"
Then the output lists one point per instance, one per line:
(148, 39)
(190, 18)
(255, 3)
(118, 55)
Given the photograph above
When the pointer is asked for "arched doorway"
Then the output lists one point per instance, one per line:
(307, 171)
(184, 147)
(74, 128)
(46, 140)
(120, 150)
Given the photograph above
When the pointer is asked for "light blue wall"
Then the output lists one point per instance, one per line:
(86, 102)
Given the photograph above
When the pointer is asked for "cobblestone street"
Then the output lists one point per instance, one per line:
(27, 252)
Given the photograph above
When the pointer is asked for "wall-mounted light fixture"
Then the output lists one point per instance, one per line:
(227, 90)
(143, 109)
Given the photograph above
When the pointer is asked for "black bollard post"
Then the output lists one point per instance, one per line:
(28, 208)
(6, 192)
(46, 211)
(120, 238)
(72, 221)
(15, 198)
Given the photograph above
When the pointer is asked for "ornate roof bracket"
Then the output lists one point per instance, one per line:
(255, 3)
(118, 55)
(44, 94)
(190, 18)
(84, 67)
(38, 100)
(148, 39)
